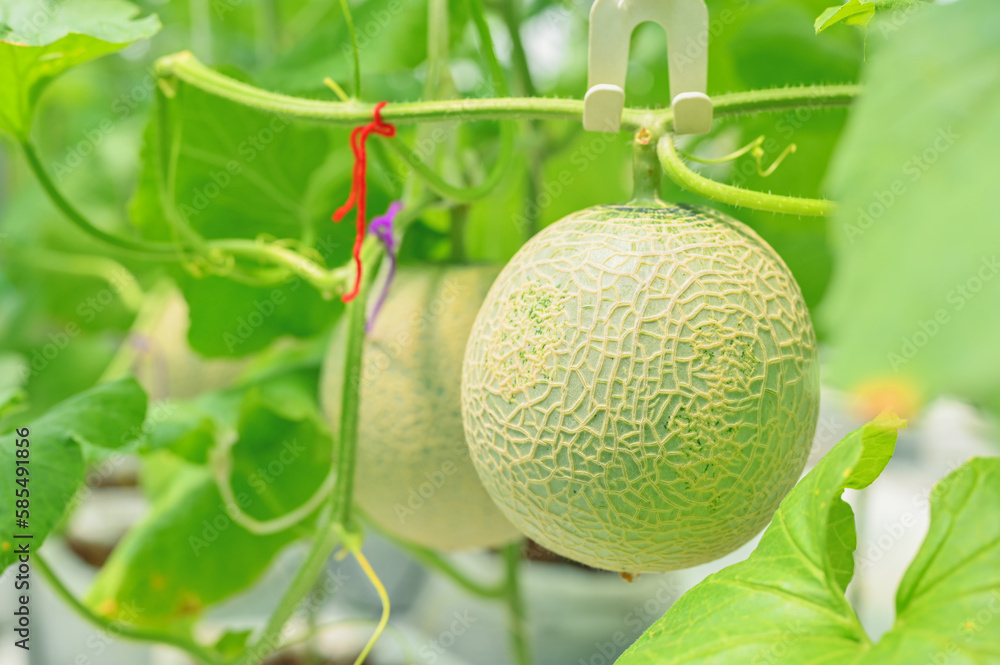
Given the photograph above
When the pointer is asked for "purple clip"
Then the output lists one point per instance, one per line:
(382, 228)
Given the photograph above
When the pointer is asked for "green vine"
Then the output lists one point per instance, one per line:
(186, 68)
(436, 182)
(355, 52)
(162, 252)
(678, 171)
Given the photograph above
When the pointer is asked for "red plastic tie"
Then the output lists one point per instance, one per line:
(359, 188)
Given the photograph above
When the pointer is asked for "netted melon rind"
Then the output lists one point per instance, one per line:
(414, 478)
(640, 389)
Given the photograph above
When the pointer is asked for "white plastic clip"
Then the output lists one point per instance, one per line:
(611, 26)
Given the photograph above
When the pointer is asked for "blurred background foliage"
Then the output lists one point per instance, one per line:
(94, 133)
(91, 129)
(73, 311)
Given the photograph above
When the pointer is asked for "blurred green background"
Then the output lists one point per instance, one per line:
(876, 294)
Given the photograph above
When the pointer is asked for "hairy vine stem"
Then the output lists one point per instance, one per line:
(678, 171)
(186, 68)
(645, 169)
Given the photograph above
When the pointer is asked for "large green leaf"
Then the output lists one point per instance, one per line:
(41, 40)
(108, 416)
(785, 604)
(237, 172)
(188, 552)
(240, 173)
(916, 298)
(948, 604)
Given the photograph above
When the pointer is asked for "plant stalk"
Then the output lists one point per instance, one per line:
(157, 250)
(272, 637)
(350, 397)
(646, 169)
(515, 604)
(678, 171)
(185, 67)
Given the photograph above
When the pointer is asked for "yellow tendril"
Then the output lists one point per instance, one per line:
(330, 83)
(383, 596)
(753, 148)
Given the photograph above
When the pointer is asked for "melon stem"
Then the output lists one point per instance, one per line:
(646, 169)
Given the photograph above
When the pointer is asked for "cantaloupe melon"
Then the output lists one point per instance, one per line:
(640, 388)
(414, 477)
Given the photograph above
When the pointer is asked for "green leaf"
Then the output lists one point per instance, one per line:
(188, 552)
(948, 604)
(108, 416)
(241, 173)
(280, 457)
(184, 555)
(853, 12)
(233, 319)
(786, 601)
(915, 302)
(40, 41)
